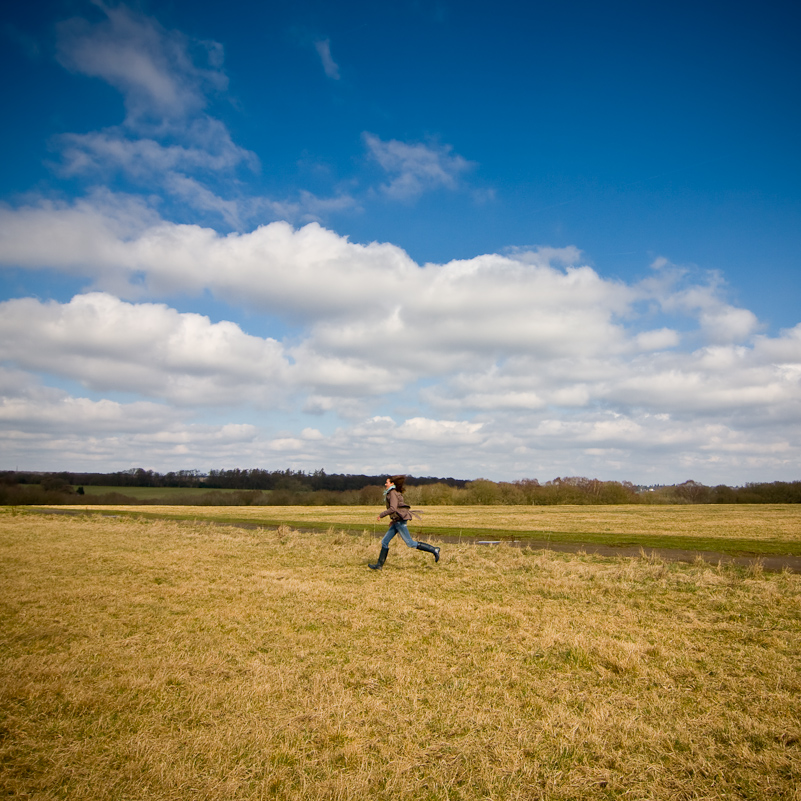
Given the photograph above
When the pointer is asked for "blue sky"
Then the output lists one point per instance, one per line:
(462, 239)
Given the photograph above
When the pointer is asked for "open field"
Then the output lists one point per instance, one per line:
(729, 528)
(168, 659)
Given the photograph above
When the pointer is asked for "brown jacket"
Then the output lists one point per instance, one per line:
(397, 508)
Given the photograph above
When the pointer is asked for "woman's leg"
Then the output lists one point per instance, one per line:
(382, 557)
(433, 549)
(391, 532)
(404, 532)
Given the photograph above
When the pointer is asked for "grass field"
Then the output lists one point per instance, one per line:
(168, 659)
(758, 529)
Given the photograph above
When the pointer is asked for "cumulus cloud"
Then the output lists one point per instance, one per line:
(51, 412)
(148, 349)
(658, 339)
(537, 328)
(491, 304)
(784, 351)
(310, 272)
(721, 322)
(108, 345)
(415, 168)
(516, 356)
(46, 428)
(531, 322)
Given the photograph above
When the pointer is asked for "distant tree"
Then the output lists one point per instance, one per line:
(510, 494)
(692, 492)
(482, 492)
(56, 483)
(530, 488)
(723, 494)
(370, 495)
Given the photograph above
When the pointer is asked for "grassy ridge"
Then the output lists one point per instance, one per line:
(769, 529)
(162, 659)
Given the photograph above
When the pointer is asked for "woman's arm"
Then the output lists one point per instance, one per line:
(392, 504)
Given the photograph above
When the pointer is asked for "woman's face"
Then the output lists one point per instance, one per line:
(388, 483)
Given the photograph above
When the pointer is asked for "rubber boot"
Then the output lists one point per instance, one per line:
(424, 546)
(382, 557)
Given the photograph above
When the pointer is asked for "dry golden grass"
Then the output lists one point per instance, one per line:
(175, 660)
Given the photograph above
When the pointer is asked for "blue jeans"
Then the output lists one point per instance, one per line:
(398, 527)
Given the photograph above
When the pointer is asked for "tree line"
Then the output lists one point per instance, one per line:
(217, 479)
(299, 488)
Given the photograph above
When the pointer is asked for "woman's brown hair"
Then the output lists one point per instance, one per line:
(398, 481)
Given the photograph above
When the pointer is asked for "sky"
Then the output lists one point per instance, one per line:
(464, 239)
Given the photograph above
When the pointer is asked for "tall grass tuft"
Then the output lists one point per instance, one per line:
(175, 660)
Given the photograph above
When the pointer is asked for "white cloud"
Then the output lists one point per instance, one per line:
(502, 362)
(207, 147)
(323, 48)
(148, 349)
(415, 168)
(198, 197)
(167, 142)
(45, 428)
(108, 345)
(308, 207)
(155, 69)
(608, 447)
(720, 322)
(661, 339)
(307, 272)
(29, 410)
(87, 238)
(355, 295)
(513, 326)
(440, 432)
(786, 348)
(728, 324)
